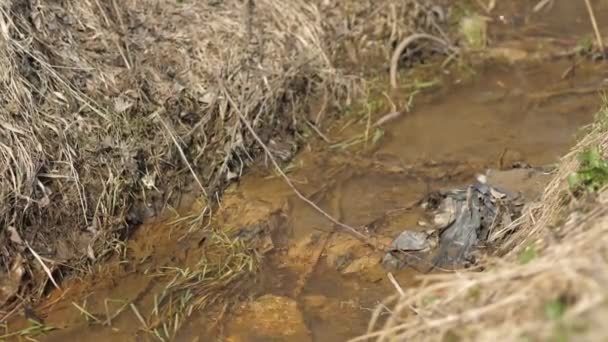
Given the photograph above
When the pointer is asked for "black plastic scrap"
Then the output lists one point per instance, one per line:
(466, 218)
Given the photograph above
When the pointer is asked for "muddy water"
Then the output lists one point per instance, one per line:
(481, 120)
(316, 283)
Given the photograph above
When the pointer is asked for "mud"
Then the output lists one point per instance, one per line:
(314, 282)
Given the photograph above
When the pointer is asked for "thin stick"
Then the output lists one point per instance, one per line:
(598, 35)
(349, 229)
(44, 267)
(314, 128)
(181, 151)
(139, 316)
(396, 284)
(540, 5)
(386, 118)
(86, 313)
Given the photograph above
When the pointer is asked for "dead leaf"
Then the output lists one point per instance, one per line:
(121, 105)
(91, 253)
(44, 202)
(15, 237)
(9, 284)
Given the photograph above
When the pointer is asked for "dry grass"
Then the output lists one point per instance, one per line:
(372, 29)
(215, 279)
(548, 281)
(106, 104)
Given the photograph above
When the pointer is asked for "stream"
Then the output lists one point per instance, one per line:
(314, 282)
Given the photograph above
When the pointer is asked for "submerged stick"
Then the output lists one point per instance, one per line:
(540, 5)
(352, 231)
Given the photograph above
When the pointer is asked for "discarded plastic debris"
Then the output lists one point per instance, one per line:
(463, 221)
(409, 248)
(411, 241)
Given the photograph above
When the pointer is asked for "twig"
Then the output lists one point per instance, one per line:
(390, 101)
(393, 114)
(86, 313)
(139, 317)
(354, 232)
(179, 148)
(44, 267)
(368, 126)
(540, 5)
(386, 118)
(316, 129)
(565, 92)
(598, 35)
(323, 107)
(396, 284)
(404, 44)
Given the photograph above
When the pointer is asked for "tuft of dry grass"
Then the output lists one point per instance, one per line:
(109, 106)
(372, 29)
(547, 281)
(221, 271)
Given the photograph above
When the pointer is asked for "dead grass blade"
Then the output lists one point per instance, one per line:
(48, 272)
(596, 30)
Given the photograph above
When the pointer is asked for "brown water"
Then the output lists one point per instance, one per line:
(317, 283)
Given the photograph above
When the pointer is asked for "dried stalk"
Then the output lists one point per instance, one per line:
(596, 30)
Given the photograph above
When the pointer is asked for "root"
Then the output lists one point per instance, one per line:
(404, 44)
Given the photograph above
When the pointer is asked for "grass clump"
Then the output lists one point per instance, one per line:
(528, 254)
(554, 309)
(35, 329)
(225, 263)
(474, 31)
(592, 174)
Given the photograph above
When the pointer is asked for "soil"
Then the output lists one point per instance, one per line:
(315, 282)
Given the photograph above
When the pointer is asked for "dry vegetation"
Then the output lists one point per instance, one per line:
(547, 282)
(110, 104)
(109, 108)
